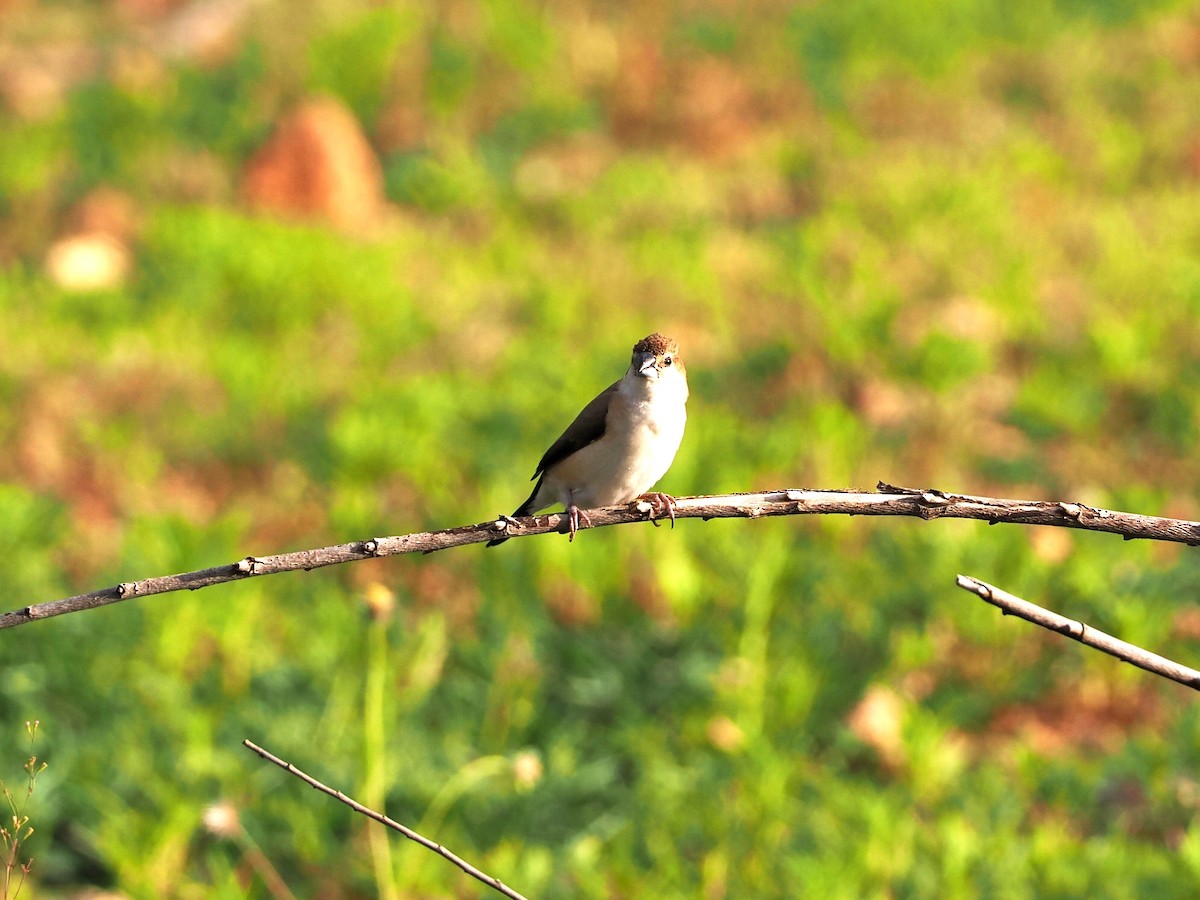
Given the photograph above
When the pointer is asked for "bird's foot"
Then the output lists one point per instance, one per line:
(576, 518)
(658, 502)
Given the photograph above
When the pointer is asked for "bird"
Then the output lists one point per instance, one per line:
(620, 445)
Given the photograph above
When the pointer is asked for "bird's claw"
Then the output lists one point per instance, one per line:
(575, 516)
(658, 502)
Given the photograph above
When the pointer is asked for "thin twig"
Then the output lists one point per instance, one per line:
(1085, 634)
(437, 848)
(888, 501)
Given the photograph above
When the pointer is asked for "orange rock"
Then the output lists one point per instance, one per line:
(317, 165)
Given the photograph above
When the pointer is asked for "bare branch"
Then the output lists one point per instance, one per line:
(1085, 634)
(888, 501)
(441, 851)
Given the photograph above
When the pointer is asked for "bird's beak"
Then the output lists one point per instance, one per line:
(647, 366)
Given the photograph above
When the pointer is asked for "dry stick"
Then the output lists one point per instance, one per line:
(888, 501)
(425, 842)
(1085, 634)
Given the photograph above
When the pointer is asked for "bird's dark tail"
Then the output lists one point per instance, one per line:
(525, 509)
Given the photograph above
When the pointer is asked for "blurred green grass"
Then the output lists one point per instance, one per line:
(946, 245)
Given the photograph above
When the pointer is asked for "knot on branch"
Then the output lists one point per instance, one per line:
(932, 503)
(1081, 512)
(247, 566)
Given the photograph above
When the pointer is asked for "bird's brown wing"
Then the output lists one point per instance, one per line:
(587, 428)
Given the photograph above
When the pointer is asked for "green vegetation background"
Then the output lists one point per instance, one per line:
(952, 244)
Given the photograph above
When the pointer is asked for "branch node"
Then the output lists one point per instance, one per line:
(931, 504)
(247, 566)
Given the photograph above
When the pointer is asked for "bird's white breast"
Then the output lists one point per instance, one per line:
(644, 428)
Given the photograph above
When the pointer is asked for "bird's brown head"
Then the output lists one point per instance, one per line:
(657, 355)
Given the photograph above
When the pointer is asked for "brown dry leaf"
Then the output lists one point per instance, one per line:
(716, 109)
(902, 109)
(703, 103)
(1091, 713)
(1192, 157)
(571, 605)
(94, 252)
(49, 451)
(1178, 36)
(877, 722)
(145, 9)
(649, 597)
(438, 585)
(401, 127)
(106, 211)
(208, 31)
(1186, 624)
(884, 403)
(36, 77)
(566, 168)
(638, 90)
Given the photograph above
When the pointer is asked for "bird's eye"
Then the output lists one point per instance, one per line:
(666, 360)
